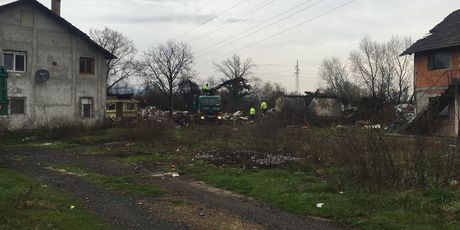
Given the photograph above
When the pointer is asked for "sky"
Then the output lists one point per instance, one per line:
(274, 34)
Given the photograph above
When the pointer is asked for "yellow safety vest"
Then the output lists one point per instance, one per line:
(264, 105)
(252, 111)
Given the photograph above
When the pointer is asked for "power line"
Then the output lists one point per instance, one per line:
(228, 23)
(288, 29)
(225, 42)
(178, 20)
(264, 27)
(210, 19)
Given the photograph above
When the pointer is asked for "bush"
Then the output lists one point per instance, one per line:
(374, 161)
(148, 131)
(268, 136)
(62, 128)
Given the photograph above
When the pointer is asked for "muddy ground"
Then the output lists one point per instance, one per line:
(187, 205)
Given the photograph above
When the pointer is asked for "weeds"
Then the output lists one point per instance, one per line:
(148, 131)
(374, 161)
(268, 136)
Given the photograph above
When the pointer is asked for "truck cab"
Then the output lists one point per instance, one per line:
(209, 107)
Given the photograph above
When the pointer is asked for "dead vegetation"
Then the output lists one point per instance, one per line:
(148, 131)
(374, 161)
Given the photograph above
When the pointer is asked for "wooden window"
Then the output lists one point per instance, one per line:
(111, 107)
(15, 61)
(17, 106)
(86, 107)
(87, 66)
(130, 107)
(439, 60)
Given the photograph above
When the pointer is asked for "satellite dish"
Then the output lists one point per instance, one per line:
(42, 75)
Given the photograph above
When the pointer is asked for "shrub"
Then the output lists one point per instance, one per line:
(374, 161)
(148, 131)
(268, 136)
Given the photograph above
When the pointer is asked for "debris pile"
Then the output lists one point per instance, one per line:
(153, 113)
(245, 157)
(405, 113)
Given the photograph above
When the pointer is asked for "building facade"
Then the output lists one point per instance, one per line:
(436, 78)
(122, 106)
(55, 71)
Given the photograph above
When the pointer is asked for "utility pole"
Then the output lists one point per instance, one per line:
(297, 77)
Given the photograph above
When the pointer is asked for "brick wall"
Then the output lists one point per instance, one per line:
(425, 78)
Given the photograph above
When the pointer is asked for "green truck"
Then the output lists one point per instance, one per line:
(208, 107)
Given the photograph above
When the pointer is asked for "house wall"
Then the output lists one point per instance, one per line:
(432, 83)
(50, 45)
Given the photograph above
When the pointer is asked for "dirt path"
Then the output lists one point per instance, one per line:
(191, 204)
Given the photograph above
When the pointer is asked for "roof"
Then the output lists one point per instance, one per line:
(121, 96)
(444, 35)
(70, 27)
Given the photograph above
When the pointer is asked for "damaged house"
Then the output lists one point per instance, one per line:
(437, 82)
(54, 70)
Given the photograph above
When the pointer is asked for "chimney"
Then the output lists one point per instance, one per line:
(56, 6)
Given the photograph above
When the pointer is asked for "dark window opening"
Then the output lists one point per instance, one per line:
(111, 107)
(130, 106)
(15, 61)
(87, 107)
(87, 66)
(439, 60)
(17, 105)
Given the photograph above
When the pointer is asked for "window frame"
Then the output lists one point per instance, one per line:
(432, 60)
(82, 107)
(107, 108)
(24, 104)
(86, 61)
(127, 106)
(15, 54)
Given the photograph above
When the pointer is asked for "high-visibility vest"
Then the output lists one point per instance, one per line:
(252, 111)
(264, 105)
(205, 88)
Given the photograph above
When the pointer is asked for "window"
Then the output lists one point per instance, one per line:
(15, 61)
(111, 107)
(87, 107)
(27, 18)
(87, 66)
(130, 106)
(17, 106)
(439, 60)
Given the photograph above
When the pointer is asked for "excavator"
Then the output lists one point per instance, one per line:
(208, 106)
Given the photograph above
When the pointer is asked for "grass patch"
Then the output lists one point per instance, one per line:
(123, 184)
(299, 192)
(27, 204)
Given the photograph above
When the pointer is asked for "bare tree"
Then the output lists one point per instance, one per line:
(365, 63)
(120, 69)
(165, 65)
(380, 69)
(236, 68)
(403, 67)
(336, 76)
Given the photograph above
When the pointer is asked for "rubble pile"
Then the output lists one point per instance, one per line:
(405, 113)
(153, 113)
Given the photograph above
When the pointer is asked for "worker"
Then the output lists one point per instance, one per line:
(252, 113)
(264, 108)
(206, 88)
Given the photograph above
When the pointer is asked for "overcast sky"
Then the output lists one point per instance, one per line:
(217, 28)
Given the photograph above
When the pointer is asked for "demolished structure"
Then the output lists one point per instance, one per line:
(437, 79)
